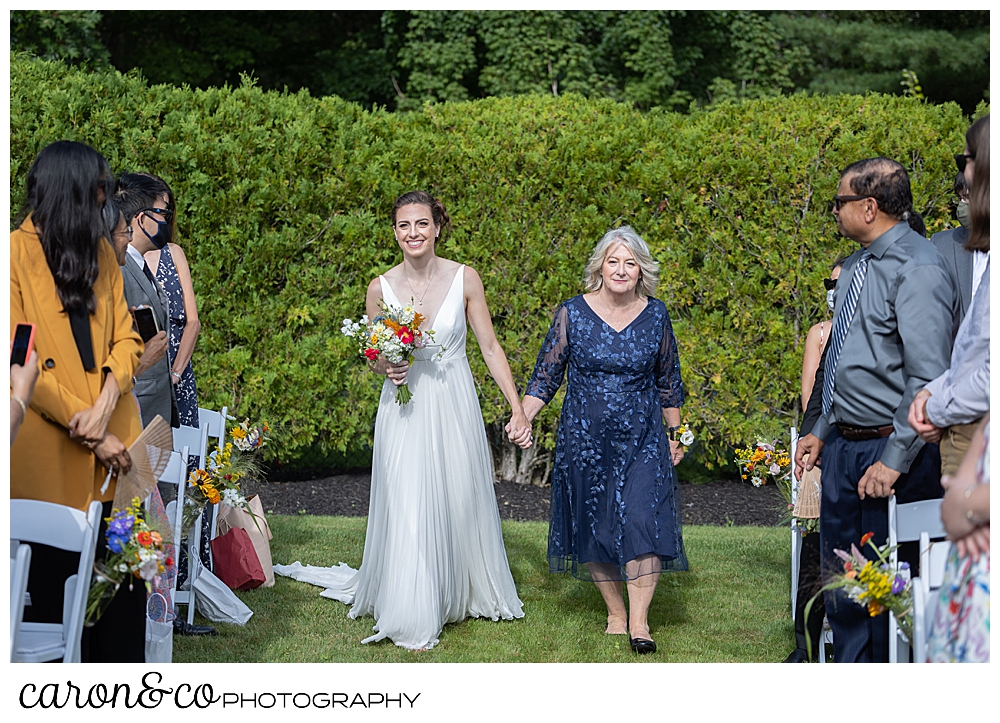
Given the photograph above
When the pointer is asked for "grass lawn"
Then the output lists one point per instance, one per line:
(733, 606)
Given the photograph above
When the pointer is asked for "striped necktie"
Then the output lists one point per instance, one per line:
(840, 327)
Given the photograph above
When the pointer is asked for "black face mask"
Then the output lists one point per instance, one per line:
(162, 236)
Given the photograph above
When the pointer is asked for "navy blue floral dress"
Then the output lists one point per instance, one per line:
(186, 389)
(614, 488)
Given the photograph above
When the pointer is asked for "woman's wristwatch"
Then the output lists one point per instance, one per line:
(672, 433)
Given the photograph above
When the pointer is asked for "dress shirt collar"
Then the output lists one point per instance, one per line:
(880, 245)
(133, 252)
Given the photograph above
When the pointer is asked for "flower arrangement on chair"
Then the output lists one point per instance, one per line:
(765, 461)
(134, 551)
(228, 468)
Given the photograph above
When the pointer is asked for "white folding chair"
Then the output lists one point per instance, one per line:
(796, 535)
(20, 559)
(176, 474)
(933, 556)
(211, 424)
(912, 522)
(33, 521)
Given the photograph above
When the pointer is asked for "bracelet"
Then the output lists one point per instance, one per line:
(968, 513)
(24, 407)
(175, 374)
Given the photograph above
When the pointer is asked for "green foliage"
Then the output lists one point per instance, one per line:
(283, 202)
(69, 35)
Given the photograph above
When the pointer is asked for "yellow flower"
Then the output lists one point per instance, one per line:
(239, 433)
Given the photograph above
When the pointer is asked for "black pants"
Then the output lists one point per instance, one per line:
(119, 636)
(810, 583)
(844, 518)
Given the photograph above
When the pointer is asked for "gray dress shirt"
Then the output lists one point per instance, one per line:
(962, 394)
(899, 339)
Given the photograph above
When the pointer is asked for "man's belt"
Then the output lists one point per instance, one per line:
(858, 434)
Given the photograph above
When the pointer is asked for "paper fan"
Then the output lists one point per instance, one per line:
(150, 454)
(809, 495)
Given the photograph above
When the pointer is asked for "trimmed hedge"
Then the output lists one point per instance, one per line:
(283, 202)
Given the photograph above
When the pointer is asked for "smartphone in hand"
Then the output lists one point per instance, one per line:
(22, 343)
(145, 323)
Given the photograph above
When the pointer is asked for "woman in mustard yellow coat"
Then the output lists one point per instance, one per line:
(65, 280)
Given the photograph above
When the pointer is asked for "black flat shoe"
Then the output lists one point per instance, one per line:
(641, 645)
(797, 656)
(183, 627)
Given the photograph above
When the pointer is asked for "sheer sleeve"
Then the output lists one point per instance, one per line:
(668, 368)
(552, 358)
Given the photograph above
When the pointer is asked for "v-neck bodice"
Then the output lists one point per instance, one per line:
(448, 323)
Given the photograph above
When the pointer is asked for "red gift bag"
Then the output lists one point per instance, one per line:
(236, 562)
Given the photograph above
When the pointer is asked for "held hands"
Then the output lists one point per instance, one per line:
(807, 454)
(878, 481)
(917, 418)
(970, 539)
(519, 429)
(113, 454)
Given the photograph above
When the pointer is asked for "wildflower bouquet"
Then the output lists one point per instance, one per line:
(394, 334)
(230, 466)
(684, 435)
(873, 584)
(134, 551)
(765, 461)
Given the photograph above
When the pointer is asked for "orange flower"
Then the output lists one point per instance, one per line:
(157, 539)
(867, 536)
(392, 325)
(851, 574)
(213, 495)
(418, 319)
(144, 539)
(875, 608)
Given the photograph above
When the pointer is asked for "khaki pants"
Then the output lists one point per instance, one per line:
(954, 444)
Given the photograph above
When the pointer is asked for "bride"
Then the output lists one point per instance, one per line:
(434, 552)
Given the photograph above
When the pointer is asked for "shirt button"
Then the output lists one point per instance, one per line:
(50, 363)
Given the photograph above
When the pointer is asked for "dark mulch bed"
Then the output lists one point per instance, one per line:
(721, 502)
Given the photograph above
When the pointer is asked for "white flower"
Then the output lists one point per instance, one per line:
(756, 482)
(233, 498)
(123, 567)
(149, 569)
(348, 328)
(687, 438)
(364, 320)
(774, 469)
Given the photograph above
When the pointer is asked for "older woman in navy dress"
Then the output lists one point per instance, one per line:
(614, 489)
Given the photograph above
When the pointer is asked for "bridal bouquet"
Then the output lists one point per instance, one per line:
(395, 334)
(225, 469)
(133, 550)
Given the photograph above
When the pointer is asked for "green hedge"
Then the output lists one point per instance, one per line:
(283, 202)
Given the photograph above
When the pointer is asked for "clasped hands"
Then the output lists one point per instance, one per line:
(877, 481)
(518, 428)
(917, 417)
(89, 428)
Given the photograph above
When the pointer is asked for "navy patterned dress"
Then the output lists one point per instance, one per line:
(186, 389)
(614, 488)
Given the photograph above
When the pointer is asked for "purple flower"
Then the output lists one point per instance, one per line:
(121, 524)
(904, 566)
(898, 584)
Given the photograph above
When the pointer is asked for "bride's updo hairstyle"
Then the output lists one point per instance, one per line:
(648, 267)
(422, 198)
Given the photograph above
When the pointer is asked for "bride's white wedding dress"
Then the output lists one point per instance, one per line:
(434, 552)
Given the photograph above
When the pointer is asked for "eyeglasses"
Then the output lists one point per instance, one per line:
(165, 212)
(127, 233)
(962, 158)
(829, 284)
(839, 201)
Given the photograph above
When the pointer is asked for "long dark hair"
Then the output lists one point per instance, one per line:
(62, 199)
(977, 138)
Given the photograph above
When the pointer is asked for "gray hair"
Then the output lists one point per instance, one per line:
(627, 237)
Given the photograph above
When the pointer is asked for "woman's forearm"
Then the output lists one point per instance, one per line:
(496, 362)
(672, 416)
(532, 406)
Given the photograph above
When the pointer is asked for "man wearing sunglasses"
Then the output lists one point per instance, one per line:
(143, 201)
(892, 330)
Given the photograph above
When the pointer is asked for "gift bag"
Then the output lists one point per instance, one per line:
(236, 562)
(217, 602)
(255, 526)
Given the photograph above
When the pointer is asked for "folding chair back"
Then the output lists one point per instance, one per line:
(913, 522)
(33, 521)
(176, 475)
(796, 535)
